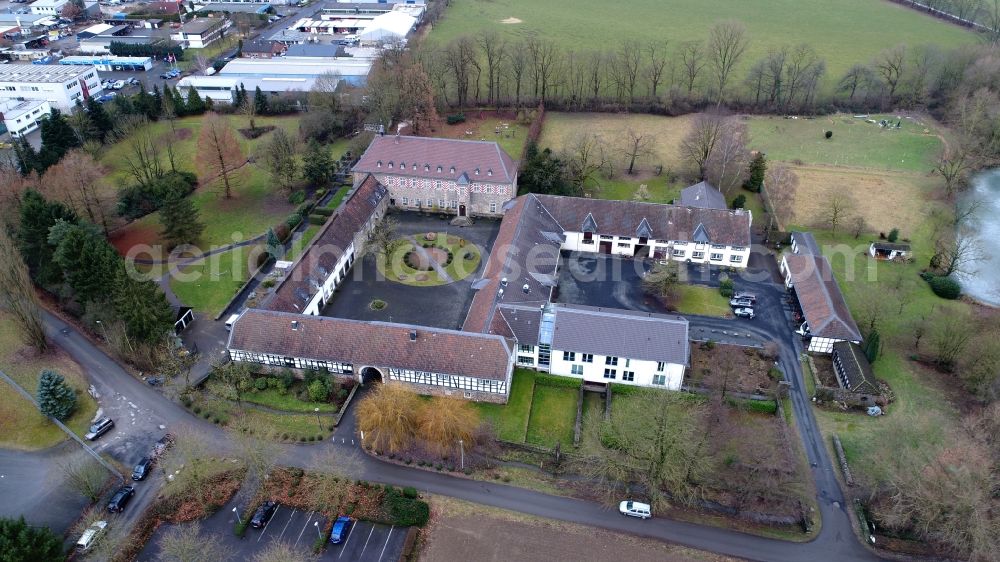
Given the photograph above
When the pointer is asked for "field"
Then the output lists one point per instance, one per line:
(33, 431)
(488, 126)
(255, 206)
(208, 284)
(843, 33)
(553, 413)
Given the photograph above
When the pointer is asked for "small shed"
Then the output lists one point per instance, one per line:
(854, 372)
(183, 317)
(888, 250)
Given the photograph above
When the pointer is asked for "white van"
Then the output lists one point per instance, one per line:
(635, 509)
(231, 321)
(91, 535)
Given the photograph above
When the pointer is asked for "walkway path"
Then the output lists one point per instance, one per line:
(430, 259)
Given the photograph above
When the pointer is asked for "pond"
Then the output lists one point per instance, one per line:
(984, 283)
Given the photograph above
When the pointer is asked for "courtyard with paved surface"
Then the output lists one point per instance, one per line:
(441, 306)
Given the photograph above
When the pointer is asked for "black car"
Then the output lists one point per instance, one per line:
(121, 499)
(263, 514)
(141, 470)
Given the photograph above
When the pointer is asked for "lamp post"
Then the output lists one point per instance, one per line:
(318, 532)
(319, 424)
(103, 329)
(240, 520)
(461, 446)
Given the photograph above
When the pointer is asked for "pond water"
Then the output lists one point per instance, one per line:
(984, 284)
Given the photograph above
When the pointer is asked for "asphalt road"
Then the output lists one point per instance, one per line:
(836, 540)
(30, 485)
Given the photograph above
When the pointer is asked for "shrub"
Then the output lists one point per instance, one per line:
(302, 438)
(268, 283)
(945, 287)
(726, 288)
(260, 383)
(828, 134)
(759, 406)
(557, 381)
(196, 409)
(407, 512)
(326, 212)
(739, 201)
(135, 201)
(297, 197)
(317, 219)
(287, 378)
(55, 398)
(206, 414)
(456, 118)
(893, 235)
(318, 391)
(216, 420)
(293, 220)
(241, 527)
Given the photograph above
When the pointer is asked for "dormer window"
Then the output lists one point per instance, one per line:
(427, 167)
(390, 164)
(489, 172)
(452, 170)
(477, 171)
(378, 164)
(414, 166)
(439, 169)
(402, 165)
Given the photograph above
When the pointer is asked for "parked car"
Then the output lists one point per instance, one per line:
(133, 80)
(162, 445)
(154, 381)
(121, 499)
(119, 84)
(263, 514)
(165, 76)
(745, 295)
(141, 470)
(740, 303)
(744, 313)
(340, 528)
(635, 509)
(91, 536)
(99, 428)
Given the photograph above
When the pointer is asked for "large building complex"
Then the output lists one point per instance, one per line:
(512, 318)
(60, 86)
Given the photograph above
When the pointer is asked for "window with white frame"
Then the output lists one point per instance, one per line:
(406, 200)
(569, 356)
(698, 255)
(454, 204)
(715, 257)
(718, 247)
(679, 253)
(628, 376)
(660, 380)
(610, 373)
(525, 348)
(493, 207)
(525, 360)
(441, 203)
(736, 259)
(611, 360)
(577, 370)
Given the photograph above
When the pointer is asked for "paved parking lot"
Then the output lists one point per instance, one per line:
(367, 542)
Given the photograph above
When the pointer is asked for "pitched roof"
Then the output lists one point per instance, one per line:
(321, 257)
(854, 368)
(820, 298)
(464, 156)
(525, 253)
(665, 222)
(805, 243)
(703, 195)
(621, 333)
(518, 321)
(891, 246)
(376, 344)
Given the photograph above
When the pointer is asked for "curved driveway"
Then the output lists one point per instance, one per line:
(836, 540)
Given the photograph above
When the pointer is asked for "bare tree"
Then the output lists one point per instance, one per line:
(143, 155)
(838, 207)
(383, 238)
(76, 180)
(84, 475)
(254, 448)
(17, 295)
(585, 157)
(595, 73)
(726, 43)
(954, 166)
(459, 56)
(890, 65)
(220, 154)
(183, 463)
(279, 156)
(957, 252)
(692, 55)
(726, 167)
(656, 62)
(186, 543)
(700, 141)
(494, 48)
(804, 68)
(627, 60)
(780, 186)
(543, 57)
(518, 67)
(636, 146)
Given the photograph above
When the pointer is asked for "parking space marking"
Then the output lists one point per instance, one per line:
(387, 537)
(364, 548)
(264, 530)
(290, 519)
(344, 546)
(304, 527)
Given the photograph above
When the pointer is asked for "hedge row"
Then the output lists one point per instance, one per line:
(555, 380)
(759, 406)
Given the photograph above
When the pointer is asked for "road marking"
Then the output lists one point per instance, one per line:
(344, 546)
(364, 548)
(290, 517)
(304, 527)
(262, 531)
(386, 543)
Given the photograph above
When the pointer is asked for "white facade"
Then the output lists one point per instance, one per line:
(60, 86)
(714, 254)
(817, 344)
(48, 7)
(318, 301)
(596, 368)
(392, 26)
(21, 117)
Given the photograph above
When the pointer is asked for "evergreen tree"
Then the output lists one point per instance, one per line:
(872, 346)
(179, 218)
(55, 398)
(756, 171)
(100, 118)
(27, 157)
(37, 217)
(90, 264)
(157, 100)
(274, 244)
(241, 96)
(259, 102)
(21, 542)
(317, 165)
(544, 173)
(144, 309)
(180, 106)
(58, 137)
(144, 104)
(194, 105)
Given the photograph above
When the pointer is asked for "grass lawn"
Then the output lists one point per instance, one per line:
(301, 243)
(255, 206)
(287, 402)
(697, 299)
(210, 53)
(34, 431)
(511, 419)
(593, 415)
(279, 427)
(511, 138)
(460, 267)
(855, 142)
(553, 413)
(338, 197)
(208, 285)
(843, 33)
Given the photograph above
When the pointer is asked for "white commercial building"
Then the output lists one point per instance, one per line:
(60, 86)
(223, 88)
(48, 7)
(21, 117)
(387, 28)
(354, 70)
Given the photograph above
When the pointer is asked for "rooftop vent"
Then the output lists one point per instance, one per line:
(500, 293)
(413, 335)
(526, 288)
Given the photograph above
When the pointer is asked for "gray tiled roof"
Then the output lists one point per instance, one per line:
(376, 344)
(819, 296)
(806, 244)
(621, 333)
(520, 321)
(703, 195)
(465, 156)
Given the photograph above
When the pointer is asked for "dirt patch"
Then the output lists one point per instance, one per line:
(470, 532)
(424, 261)
(748, 368)
(478, 125)
(884, 199)
(135, 234)
(509, 21)
(824, 370)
